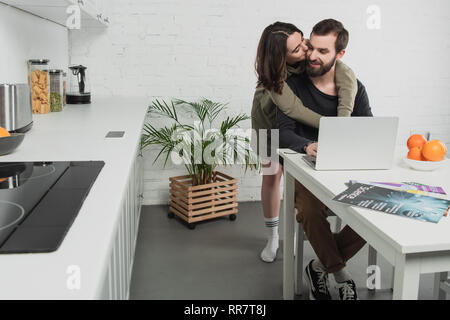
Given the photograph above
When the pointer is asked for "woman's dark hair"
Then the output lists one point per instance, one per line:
(270, 61)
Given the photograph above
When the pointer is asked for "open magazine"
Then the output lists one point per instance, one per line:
(412, 187)
(406, 204)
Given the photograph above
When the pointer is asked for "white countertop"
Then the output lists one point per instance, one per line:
(78, 133)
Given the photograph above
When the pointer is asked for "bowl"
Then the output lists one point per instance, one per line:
(9, 144)
(425, 165)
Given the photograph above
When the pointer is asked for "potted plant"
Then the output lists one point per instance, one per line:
(202, 147)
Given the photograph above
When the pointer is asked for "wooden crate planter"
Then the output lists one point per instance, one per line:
(203, 202)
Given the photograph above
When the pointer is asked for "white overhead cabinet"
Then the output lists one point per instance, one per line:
(91, 12)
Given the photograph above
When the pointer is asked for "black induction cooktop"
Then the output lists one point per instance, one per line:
(39, 202)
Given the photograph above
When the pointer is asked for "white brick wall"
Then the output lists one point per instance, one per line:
(191, 48)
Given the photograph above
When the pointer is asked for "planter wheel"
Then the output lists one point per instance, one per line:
(232, 217)
(170, 215)
(191, 226)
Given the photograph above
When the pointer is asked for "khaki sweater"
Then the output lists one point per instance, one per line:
(265, 102)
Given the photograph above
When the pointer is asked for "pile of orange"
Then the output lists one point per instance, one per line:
(4, 132)
(423, 150)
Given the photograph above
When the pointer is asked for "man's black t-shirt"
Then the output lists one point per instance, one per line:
(295, 135)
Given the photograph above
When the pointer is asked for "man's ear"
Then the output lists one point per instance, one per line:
(340, 55)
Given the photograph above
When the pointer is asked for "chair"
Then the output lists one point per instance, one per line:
(441, 280)
(298, 247)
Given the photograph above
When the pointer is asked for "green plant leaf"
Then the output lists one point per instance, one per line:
(192, 141)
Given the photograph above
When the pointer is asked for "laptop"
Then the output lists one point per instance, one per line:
(355, 143)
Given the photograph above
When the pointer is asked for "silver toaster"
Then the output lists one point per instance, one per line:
(15, 107)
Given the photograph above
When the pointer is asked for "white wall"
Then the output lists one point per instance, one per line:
(191, 49)
(23, 37)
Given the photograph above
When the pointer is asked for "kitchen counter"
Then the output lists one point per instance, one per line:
(86, 261)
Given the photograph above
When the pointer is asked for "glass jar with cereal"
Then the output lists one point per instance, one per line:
(39, 80)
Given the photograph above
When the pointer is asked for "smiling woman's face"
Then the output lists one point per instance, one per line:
(296, 48)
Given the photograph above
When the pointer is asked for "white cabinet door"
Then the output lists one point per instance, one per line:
(140, 180)
(91, 13)
(55, 10)
(41, 3)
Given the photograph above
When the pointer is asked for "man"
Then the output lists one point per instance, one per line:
(317, 89)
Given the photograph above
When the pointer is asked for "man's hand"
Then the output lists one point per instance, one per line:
(311, 150)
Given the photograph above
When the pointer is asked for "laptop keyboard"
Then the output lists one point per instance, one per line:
(310, 160)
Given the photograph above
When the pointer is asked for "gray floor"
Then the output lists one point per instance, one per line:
(220, 260)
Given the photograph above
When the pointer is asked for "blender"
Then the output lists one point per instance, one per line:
(79, 91)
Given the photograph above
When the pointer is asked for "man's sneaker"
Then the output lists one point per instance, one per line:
(318, 283)
(347, 290)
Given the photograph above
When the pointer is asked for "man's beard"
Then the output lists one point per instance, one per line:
(323, 69)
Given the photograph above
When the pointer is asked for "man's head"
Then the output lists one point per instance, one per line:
(327, 44)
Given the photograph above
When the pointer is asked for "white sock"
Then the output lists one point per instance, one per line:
(270, 251)
(317, 265)
(342, 276)
(339, 276)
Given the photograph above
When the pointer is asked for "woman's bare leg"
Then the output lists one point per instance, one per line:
(270, 193)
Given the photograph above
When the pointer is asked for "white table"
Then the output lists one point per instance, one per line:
(413, 247)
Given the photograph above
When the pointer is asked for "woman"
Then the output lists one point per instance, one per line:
(281, 53)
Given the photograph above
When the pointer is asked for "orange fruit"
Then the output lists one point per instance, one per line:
(416, 140)
(443, 146)
(4, 132)
(434, 150)
(416, 154)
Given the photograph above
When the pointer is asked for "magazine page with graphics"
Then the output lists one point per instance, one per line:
(413, 187)
(396, 202)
